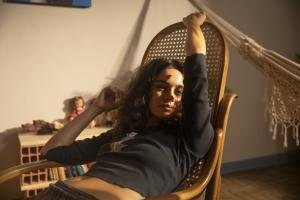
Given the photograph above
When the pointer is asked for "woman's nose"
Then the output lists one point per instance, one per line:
(170, 96)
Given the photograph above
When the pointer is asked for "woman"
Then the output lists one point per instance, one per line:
(162, 130)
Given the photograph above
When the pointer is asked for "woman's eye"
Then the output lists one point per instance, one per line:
(179, 92)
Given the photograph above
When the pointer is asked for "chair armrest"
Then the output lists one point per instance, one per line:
(205, 176)
(14, 171)
(224, 110)
(212, 191)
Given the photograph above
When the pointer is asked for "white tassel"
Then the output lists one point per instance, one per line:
(274, 124)
(285, 135)
(271, 125)
(297, 134)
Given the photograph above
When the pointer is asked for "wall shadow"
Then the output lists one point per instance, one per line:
(124, 67)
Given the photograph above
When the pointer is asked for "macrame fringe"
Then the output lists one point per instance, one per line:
(284, 130)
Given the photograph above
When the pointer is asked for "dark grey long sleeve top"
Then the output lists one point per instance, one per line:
(152, 162)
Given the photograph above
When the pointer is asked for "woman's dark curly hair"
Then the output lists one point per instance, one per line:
(134, 112)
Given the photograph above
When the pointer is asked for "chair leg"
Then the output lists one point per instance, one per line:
(219, 188)
(213, 187)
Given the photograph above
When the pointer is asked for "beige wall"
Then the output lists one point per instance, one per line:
(49, 54)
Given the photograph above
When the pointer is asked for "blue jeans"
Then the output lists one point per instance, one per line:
(61, 191)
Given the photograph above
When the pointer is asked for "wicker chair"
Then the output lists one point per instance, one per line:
(170, 44)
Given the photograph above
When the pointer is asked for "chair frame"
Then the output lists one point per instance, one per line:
(209, 179)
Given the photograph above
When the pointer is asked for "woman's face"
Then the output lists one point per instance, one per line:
(166, 93)
(79, 103)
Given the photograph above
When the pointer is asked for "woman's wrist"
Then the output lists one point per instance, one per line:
(195, 43)
(96, 109)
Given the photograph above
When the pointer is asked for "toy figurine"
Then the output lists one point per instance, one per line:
(78, 105)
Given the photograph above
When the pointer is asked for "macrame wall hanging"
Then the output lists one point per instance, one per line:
(282, 74)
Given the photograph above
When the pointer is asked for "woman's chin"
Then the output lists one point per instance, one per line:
(166, 116)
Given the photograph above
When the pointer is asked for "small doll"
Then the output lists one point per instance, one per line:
(78, 105)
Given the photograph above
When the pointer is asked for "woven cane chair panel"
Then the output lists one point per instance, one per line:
(170, 44)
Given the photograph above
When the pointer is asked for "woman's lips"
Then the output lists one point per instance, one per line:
(167, 107)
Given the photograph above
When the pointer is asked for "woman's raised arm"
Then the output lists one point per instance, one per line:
(196, 112)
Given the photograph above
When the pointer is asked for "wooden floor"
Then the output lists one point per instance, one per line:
(276, 183)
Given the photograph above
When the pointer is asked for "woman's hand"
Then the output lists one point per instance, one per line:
(195, 42)
(194, 19)
(108, 99)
